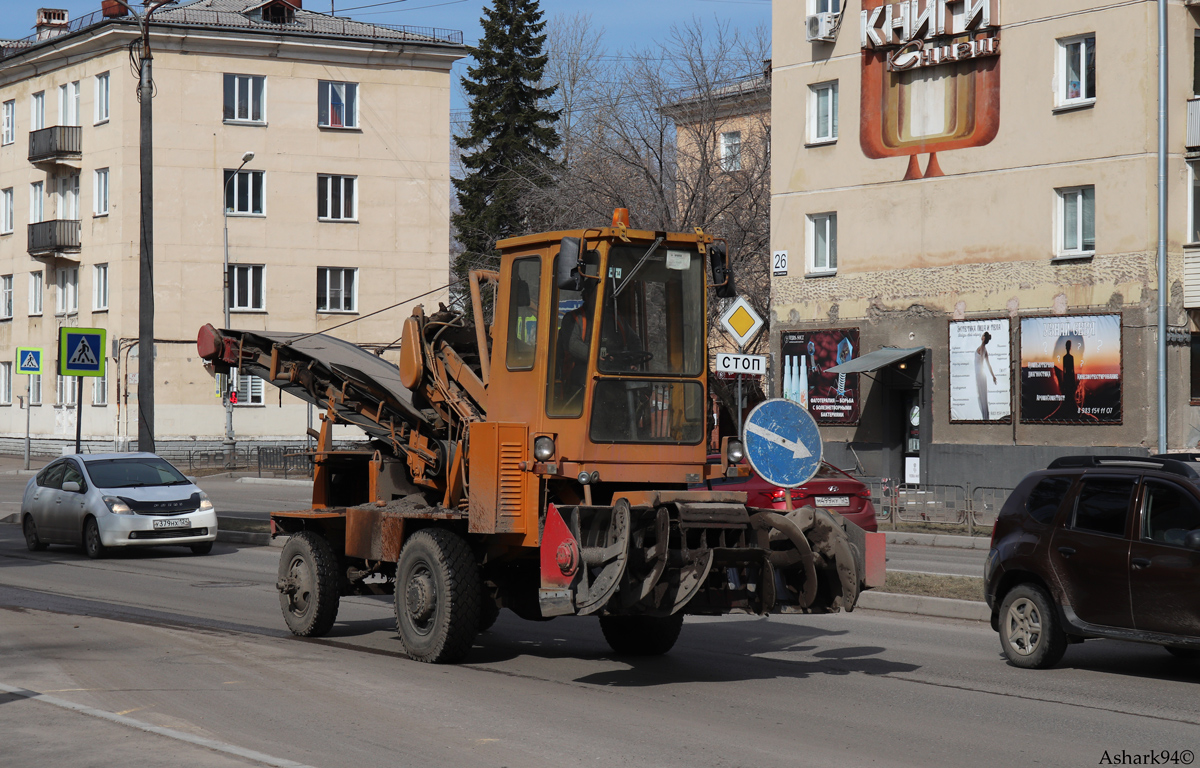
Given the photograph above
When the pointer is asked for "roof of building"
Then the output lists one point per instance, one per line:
(246, 15)
(742, 96)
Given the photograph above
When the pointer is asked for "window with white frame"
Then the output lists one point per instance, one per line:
(731, 151)
(67, 295)
(37, 201)
(824, 6)
(244, 194)
(37, 111)
(1077, 70)
(66, 390)
(337, 104)
(6, 211)
(337, 289)
(8, 126)
(822, 243)
(35, 292)
(35, 389)
(100, 287)
(6, 297)
(823, 112)
(68, 197)
(100, 390)
(1193, 230)
(1076, 221)
(100, 192)
(336, 200)
(246, 287)
(245, 98)
(249, 389)
(102, 93)
(6, 383)
(68, 103)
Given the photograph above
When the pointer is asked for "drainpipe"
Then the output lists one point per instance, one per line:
(1162, 226)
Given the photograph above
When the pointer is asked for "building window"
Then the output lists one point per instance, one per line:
(246, 287)
(5, 383)
(1076, 221)
(35, 389)
(337, 290)
(1193, 232)
(245, 98)
(100, 192)
(823, 112)
(35, 293)
(6, 211)
(37, 111)
(100, 287)
(68, 103)
(66, 390)
(336, 200)
(822, 243)
(249, 389)
(8, 130)
(68, 197)
(245, 193)
(67, 300)
(37, 194)
(731, 151)
(337, 104)
(100, 390)
(826, 6)
(1077, 70)
(6, 298)
(102, 91)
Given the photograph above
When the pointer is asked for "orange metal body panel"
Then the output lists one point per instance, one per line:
(373, 535)
(876, 559)
(499, 498)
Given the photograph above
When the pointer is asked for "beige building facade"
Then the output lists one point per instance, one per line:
(343, 210)
(946, 169)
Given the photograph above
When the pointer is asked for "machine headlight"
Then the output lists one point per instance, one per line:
(543, 448)
(205, 503)
(117, 506)
(735, 451)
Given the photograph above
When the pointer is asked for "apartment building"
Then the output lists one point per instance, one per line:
(964, 197)
(343, 208)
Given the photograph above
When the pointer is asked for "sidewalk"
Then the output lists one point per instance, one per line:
(939, 540)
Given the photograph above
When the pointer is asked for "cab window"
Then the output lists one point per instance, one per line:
(1103, 504)
(71, 474)
(570, 341)
(522, 314)
(52, 476)
(1169, 513)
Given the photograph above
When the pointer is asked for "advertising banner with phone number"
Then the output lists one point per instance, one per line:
(805, 355)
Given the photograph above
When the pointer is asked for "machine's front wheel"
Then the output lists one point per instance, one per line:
(438, 592)
(308, 584)
(641, 635)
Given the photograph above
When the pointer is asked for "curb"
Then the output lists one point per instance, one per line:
(920, 605)
(939, 540)
(29, 472)
(272, 481)
(252, 539)
(11, 519)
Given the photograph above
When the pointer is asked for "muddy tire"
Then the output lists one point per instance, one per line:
(641, 635)
(93, 547)
(308, 573)
(1030, 632)
(438, 596)
(33, 542)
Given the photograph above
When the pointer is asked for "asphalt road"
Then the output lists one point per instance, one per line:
(182, 660)
(943, 560)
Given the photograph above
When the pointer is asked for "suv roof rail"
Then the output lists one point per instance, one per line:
(1161, 463)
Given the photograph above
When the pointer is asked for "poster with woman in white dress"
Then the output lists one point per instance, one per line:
(980, 365)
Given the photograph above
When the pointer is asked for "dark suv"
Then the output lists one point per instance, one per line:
(1098, 546)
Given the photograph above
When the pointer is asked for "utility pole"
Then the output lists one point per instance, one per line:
(230, 441)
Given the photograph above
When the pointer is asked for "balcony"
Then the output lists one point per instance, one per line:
(62, 142)
(53, 238)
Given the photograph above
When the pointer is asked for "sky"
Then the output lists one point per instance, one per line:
(627, 23)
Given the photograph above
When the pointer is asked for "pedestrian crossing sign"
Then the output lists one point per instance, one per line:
(81, 351)
(29, 360)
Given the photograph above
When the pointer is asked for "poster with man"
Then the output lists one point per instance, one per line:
(805, 357)
(980, 371)
(1071, 370)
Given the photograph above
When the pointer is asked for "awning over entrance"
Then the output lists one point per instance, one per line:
(873, 361)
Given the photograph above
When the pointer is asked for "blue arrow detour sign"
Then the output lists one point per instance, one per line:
(782, 443)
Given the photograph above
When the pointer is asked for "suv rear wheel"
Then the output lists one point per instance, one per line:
(1030, 633)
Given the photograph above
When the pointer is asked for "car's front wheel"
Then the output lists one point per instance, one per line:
(92, 544)
(33, 542)
(202, 548)
(1030, 633)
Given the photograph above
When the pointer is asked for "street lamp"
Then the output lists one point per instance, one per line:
(230, 443)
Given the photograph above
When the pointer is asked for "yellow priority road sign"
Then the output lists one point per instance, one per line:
(81, 351)
(741, 322)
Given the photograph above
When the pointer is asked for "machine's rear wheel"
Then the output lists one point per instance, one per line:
(308, 584)
(641, 635)
(438, 591)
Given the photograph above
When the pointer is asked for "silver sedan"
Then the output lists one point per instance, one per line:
(116, 500)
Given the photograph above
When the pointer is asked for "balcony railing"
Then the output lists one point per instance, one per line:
(62, 142)
(1193, 126)
(47, 238)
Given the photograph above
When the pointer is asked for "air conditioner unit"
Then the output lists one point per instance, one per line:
(822, 26)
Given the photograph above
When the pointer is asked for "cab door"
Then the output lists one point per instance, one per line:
(45, 493)
(1164, 575)
(68, 509)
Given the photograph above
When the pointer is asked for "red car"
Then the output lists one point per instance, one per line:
(830, 489)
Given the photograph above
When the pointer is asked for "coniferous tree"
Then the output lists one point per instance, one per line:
(510, 136)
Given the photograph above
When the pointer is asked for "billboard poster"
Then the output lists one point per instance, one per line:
(980, 371)
(1071, 370)
(805, 356)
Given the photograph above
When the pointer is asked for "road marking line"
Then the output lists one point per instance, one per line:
(170, 733)
(130, 711)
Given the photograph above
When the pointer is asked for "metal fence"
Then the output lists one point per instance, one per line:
(291, 461)
(288, 461)
(936, 504)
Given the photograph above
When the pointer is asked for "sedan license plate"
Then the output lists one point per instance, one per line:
(173, 522)
(833, 501)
